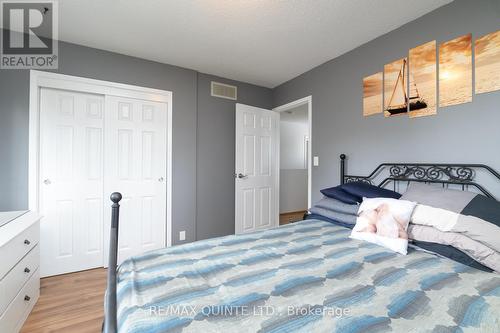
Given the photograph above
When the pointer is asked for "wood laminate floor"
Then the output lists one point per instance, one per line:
(291, 217)
(70, 303)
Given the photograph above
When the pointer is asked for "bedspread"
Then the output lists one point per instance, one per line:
(303, 277)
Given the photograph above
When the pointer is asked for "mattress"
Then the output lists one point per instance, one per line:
(307, 276)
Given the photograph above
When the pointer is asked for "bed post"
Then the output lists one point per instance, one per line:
(342, 168)
(110, 322)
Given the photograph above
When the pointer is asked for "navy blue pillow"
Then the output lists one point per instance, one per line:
(364, 190)
(338, 193)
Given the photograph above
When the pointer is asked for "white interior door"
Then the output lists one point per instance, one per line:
(71, 181)
(257, 169)
(136, 157)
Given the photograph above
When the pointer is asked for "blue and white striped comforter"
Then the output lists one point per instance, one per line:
(303, 277)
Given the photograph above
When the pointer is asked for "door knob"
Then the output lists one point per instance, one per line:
(161, 179)
(47, 182)
(241, 176)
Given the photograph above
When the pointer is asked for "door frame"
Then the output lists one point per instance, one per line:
(303, 101)
(41, 79)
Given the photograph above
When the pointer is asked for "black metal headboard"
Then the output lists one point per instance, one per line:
(463, 175)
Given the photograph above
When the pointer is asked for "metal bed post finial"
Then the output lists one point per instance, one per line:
(110, 321)
(342, 168)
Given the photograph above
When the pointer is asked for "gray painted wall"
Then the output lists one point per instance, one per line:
(103, 65)
(294, 127)
(293, 190)
(462, 133)
(216, 154)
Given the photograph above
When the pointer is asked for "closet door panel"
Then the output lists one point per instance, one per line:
(71, 181)
(135, 165)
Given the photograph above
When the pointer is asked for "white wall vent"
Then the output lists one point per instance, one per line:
(224, 91)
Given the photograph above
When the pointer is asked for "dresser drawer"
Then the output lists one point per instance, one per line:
(17, 277)
(17, 248)
(13, 318)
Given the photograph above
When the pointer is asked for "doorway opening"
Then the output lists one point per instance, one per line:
(295, 160)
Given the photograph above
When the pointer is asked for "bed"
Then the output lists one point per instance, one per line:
(307, 276)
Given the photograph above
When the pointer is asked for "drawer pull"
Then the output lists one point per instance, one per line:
(27, 242)
(27, 270)
(27, 298)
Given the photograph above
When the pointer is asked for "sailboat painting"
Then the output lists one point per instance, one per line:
(455, 71)
(395, 88)
(372, 94)
(422, 93)
(487, 63)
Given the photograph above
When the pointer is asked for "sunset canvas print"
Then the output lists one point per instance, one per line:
(372, 94)
(422, 90)
(395, 88)
(455, 71)
(487, 63)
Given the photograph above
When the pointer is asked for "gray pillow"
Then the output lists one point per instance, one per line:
(435, 196)
(337, 206)
(336, 216)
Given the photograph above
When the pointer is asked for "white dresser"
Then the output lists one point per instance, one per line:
(19, 268)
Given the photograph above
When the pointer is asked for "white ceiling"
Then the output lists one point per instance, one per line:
(265, 42)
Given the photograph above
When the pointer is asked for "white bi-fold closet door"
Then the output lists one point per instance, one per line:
(92, 145)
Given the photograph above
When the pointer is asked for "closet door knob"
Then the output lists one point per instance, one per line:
(27, 242)
(47, 182)
(27, 270)
(27, 298)
(161, 179)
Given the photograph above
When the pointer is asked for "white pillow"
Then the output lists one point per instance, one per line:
(384, 221)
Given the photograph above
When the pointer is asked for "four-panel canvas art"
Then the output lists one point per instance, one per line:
(409, 86)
